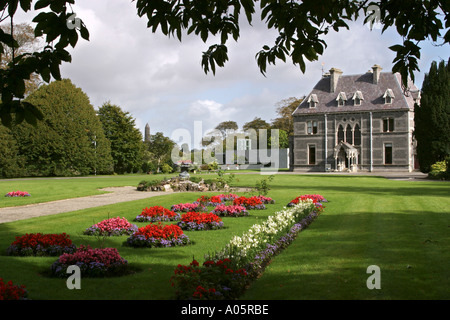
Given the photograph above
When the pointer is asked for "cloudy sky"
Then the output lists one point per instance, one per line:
(160, 81)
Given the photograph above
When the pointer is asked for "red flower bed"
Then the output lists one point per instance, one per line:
(17, 194)
(41, 245)
(200, 221)
(314, 197)
(8, 291)
(249, 203)
(157, 213)
(157, 235)
(214, 280)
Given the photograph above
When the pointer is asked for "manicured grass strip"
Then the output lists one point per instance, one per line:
(155, 265)
(407, 236)
(51, 189)
(368, 221)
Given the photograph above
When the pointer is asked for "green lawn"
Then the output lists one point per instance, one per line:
(401, 226)
(44, 190)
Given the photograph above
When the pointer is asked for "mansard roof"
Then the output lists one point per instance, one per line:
(360, 85)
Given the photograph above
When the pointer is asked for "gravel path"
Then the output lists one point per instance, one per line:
(115, 195)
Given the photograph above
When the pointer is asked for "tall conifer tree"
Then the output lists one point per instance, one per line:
(432, 117)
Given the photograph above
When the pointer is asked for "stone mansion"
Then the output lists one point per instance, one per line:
(362, 122)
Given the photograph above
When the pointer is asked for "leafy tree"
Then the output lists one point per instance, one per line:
(56, 24)
(160, 148)
(26, 42)
(227, 127)
(432, 117)
(70, 138)
(301, 26)
(11, 164)
(256, 124)
(285, 120)
(125, 139)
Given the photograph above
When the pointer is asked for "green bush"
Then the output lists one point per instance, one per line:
(166, 168)
(195, 179)
(439, 170)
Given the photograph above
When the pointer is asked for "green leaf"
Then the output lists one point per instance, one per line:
(40, 4)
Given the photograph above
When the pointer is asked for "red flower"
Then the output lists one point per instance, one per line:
(44, 240)
(159, 231)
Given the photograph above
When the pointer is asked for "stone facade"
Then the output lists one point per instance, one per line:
(355, 123)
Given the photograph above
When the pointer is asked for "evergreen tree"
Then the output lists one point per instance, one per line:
(69, 140)
(127, 146)
(11, 164)
(432, 117)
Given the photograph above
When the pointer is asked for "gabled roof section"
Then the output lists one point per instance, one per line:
(313, 98)
(341, 96)
(363, 87)
(358, 95)
(389, 93)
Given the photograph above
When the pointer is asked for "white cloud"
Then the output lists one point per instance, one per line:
(160, 81)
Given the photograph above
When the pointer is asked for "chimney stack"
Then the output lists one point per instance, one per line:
(334, 77)
(376, 73)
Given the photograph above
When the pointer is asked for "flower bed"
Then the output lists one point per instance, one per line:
(38, 244)
(266, 200)
(111, 227)
(103, 262)
(17, 194)
(200, 221)
(214, 280)
(230, 211)
(252, 203)
(188, 207)
(157, 213)
(247, 255)
(244, 248)
(216, 200)
(157, 235)
(316, 198)
(262, 258)
(9, 291)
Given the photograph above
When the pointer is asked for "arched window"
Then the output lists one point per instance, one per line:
(357, 135)
(340, 133)
(349, 135)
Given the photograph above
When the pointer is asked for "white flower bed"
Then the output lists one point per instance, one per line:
(243, 249)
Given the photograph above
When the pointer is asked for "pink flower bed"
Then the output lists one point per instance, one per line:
(111, 227)
(230, 211)
(188, 207)
(97, 262)
(17, 194)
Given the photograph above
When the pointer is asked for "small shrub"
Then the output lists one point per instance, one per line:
(438, 171)
(195, 179)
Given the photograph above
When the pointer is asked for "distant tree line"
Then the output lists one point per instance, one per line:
(74, 139)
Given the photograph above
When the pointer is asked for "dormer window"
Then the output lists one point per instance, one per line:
(388, 96)
(357, 98)
(313, 101)
(341, 98)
